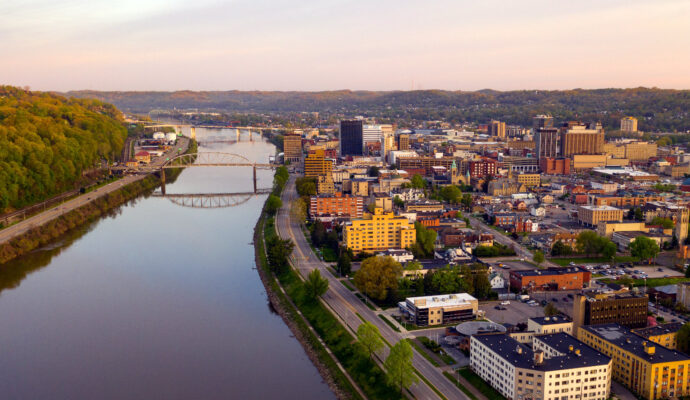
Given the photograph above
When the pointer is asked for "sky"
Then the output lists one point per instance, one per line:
(344, 44)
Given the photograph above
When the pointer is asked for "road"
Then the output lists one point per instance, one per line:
(346, 305)
(39, 219)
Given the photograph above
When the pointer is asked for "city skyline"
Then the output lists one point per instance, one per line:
(331, 45)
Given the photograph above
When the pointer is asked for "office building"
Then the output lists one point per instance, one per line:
(592, 215)
(664, 334)
(497, 129)
(316, 164)
(578, 138)
(379, 231)
(482, 168)
(556, 166)
(351, 138)
(550, 279)
(621, 307)
(529, 180)
(683, 294)
(338, 205)
(548, 325)
(292, 147)
(542, 122)
(440, 309)
(325, 184)
(646, 368)
(556, 367)
(547, 143)
(403, 141)
(629, 124)
(423, 165)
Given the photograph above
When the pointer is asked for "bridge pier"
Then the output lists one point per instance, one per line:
(238, 134)
(163, 180)
(254, 169)
(251, 138)
(193, 135)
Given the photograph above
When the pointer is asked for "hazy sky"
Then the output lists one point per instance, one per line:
(341, 44)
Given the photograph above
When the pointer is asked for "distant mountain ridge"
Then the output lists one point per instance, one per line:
(657, 109)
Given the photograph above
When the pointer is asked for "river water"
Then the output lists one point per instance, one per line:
(157, 301)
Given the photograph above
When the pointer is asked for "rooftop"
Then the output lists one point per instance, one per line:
(600, 208)
(662, 329)
(626, 340)
(550, 271)
(551, 320)
(446, 300)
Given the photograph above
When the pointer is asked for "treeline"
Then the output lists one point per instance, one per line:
(47, 141)
(656, 109)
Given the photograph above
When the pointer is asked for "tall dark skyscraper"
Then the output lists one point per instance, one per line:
(351, 138)
(542, 122)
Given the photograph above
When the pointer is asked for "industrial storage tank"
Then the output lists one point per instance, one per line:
(158, 135)
(170, 137)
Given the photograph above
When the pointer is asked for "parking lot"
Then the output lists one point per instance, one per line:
(514, 313)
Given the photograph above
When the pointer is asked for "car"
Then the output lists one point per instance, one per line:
(498, 307)
(570, 295)
(505, 303)
(554, 299)
(660, 269)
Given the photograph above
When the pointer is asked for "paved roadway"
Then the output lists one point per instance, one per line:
(346, 305)
(54, 212)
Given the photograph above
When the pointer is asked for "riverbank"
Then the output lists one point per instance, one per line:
(54, 228)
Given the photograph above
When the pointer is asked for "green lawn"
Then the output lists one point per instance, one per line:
(328, 254)
(453, 379)
(592, 260)
(479, 383)
(424, 354)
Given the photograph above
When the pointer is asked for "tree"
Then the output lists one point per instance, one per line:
(588, 242)
(626, 280)
(466, 200)
(550, 310)
(418, 182)
(687, 271)
(315, 285)
(318, 234)
(451, 194)
(609, 250)
(377, 276)
(561, 249)
(481, 284)
(398, 202)
(344, 264)
(683, 338)
(299, 209)
(373, 171)
(665, 223)
(644, 248)
(538, 257)
(398, 365)
(278, 252)
(273, 204)
(638, 214)
(306, 186)
(368, 336)
(426, 238)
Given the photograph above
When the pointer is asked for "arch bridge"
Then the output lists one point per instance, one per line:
(211, 200)
(212, 159)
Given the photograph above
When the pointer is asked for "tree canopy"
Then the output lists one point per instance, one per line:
(378, 275)
(48, 141)
(315, 285)
(398, 364)
(644, 248)
(368, 337)
(426, 238)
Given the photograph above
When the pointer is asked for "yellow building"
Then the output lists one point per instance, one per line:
(592, 215)
(529, 179)
(589, 161)
(316, 164)
(359, 187)
(325, 185)
(614, 150)
(648, 369)
(379, 231)
(639, 151)
(292, 147)
(629, 124)
(664, 334)
(607, 229)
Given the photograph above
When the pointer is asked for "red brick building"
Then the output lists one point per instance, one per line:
(336, 205)
(550, 279)
(557, 166)
(480, 169)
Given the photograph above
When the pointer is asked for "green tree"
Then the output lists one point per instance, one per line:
(481, 284)
(398, 202)
(273, 204)
(299, 209)
(377, 276)
(561, 249)
(278, 252)
(426, 238)
(306, 186)
(315, 285)
(451, 194)
(644, 248)
(418, 182)
(318, 234)
(398, 365)
(538, 257)
(550, 310)
(683, 338)
(687, 271)
(665, 223)
(466, 200)
(373, 171)
(609, 250)
(368, 336)
(344, 264)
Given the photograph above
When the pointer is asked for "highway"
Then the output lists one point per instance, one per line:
(39, 219)
(346, 305)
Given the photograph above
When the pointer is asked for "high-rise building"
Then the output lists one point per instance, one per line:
(316, 164)
(292, 147)
(371, 133)
(578, 138)
(547, 142)
(542, 122)
(403, 141)
(629, 124)
(379, 231)
(497, 128)
(388, 144)
(351, 138)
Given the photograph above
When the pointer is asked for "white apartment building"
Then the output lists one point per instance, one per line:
(546, 325)
(557, 367)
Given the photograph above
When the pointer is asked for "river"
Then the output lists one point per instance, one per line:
(157, 301)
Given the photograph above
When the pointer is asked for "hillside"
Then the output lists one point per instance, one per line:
(47, 141)
(657, 109)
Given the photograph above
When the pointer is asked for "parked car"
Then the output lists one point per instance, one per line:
(505, 303)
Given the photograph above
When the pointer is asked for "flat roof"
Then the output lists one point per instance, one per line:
(551, 320)
(600, 208)
(443, 300)
(623, 338)
(662, 329)
(521, 356)
(550, 271)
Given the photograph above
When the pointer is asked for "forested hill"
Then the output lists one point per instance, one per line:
(657, 109)
(46, 141)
